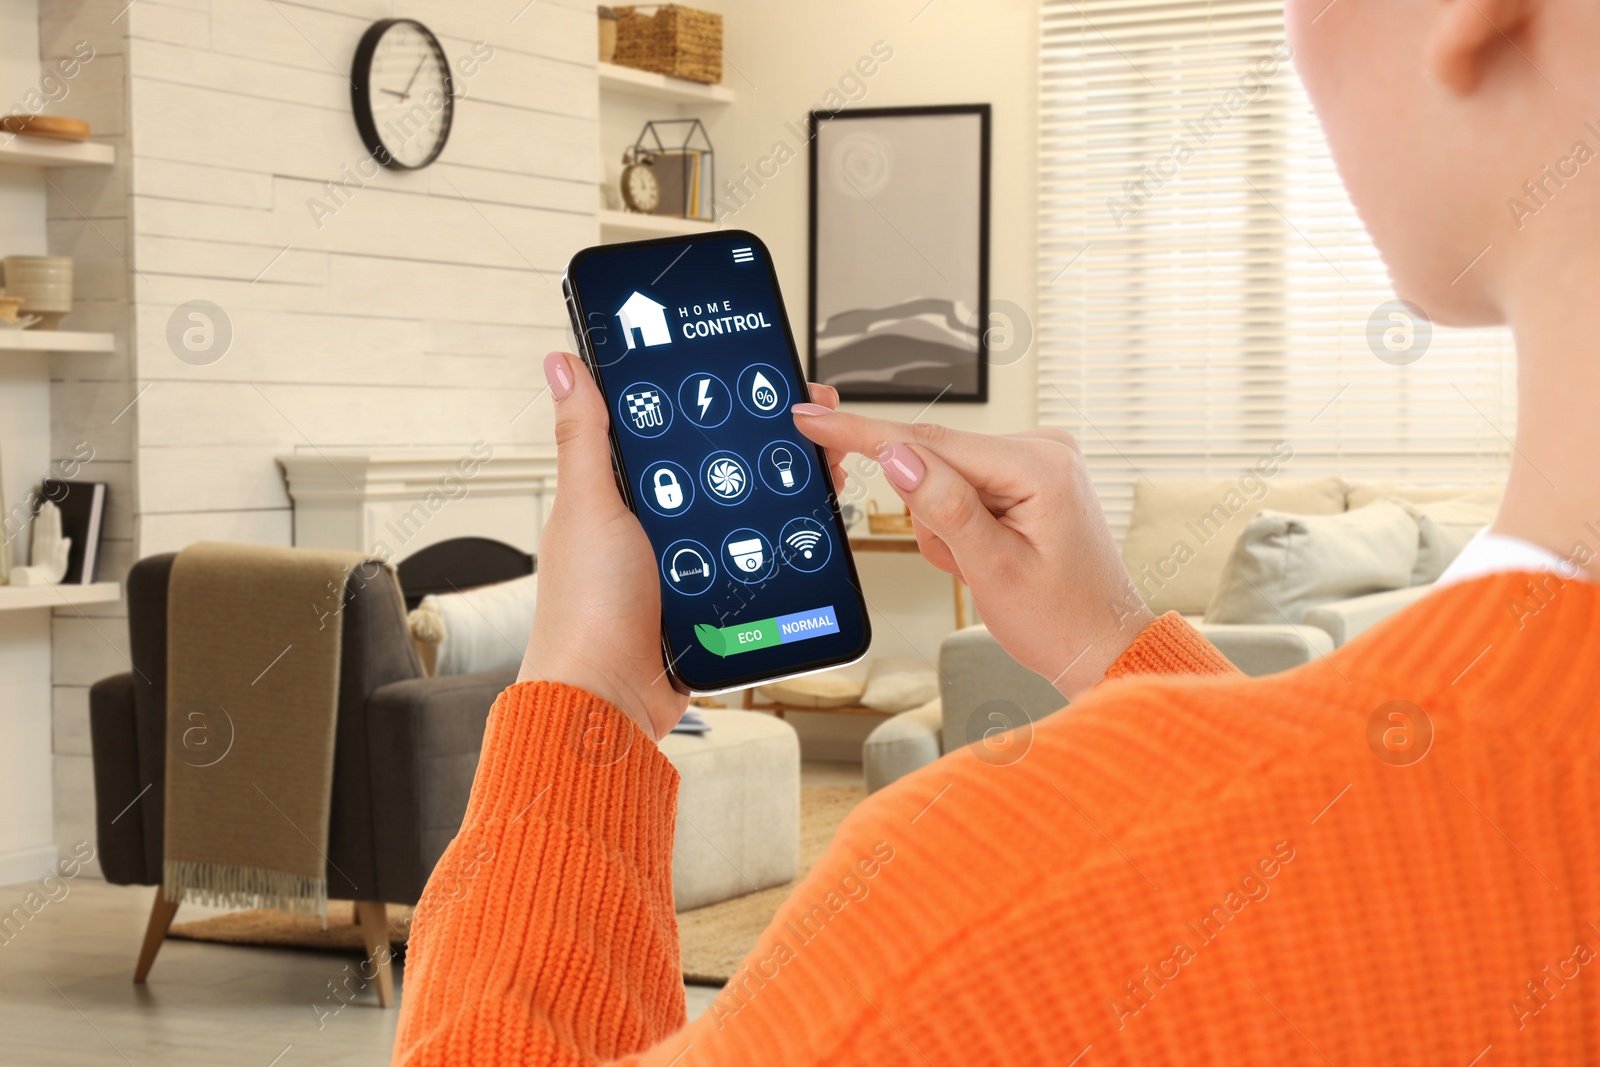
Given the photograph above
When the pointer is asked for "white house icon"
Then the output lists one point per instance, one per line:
(648, 317)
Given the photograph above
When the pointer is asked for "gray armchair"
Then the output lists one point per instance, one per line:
(405, 751)
(973, 671)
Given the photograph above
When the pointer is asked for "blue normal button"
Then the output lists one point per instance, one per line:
(803, 625)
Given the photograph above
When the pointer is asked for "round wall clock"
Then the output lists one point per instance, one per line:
(401, 93)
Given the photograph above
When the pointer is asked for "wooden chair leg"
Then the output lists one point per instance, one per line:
(373, 918)
(161, 913)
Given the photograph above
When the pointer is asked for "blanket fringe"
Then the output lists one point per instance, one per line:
(226, 886)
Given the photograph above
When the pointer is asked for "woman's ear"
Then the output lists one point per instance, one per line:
(1468, 33)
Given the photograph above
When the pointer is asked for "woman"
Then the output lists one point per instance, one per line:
(1190, 866)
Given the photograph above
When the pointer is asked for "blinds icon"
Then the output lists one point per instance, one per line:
(645, 409)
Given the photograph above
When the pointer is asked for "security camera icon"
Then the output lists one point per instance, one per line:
(748, 555)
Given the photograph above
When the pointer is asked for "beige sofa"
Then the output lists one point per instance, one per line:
(976, 672)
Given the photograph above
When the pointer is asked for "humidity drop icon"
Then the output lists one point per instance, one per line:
(763, 394)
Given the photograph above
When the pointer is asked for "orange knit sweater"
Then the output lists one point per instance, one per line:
(1212, 870)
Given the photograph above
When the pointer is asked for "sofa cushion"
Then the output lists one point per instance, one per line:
(1360, 494)
(1345, 620)
(1267, 648)
(1183, 531)
(482, 629)
(896, 685)
(828, 689)
(1284, 565)
(1445, 526)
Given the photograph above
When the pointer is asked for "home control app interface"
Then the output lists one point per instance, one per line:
(696, 360)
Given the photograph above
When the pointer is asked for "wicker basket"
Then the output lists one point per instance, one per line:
(888, 522)
(676, 41)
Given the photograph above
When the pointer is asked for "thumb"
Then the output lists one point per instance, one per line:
(946, 504)
(583, 446)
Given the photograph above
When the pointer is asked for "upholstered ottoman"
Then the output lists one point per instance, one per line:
(738, 807)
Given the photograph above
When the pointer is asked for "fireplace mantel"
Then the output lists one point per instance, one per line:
(390, 503)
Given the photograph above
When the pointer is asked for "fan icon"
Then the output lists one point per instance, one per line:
(727, 480)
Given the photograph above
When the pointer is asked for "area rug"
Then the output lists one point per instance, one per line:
(714, 939)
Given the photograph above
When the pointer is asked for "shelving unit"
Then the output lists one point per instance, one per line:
(38, 152)
(628, 99)
(630, 226)
(43, 788)
(25, 597)
(55, 341)
(625, 81)
(24, 151)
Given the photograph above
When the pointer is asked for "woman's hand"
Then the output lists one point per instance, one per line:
(597, 622)
(1016, 518)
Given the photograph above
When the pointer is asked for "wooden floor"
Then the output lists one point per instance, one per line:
(67, 995)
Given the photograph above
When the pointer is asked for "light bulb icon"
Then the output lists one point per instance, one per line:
(784, 461)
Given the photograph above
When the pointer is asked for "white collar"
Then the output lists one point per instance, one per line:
(1491, 553)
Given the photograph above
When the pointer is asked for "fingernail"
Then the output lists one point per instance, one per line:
(559, 374)
(811, 409)
(902, 466)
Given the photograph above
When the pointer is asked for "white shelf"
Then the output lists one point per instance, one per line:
(55, 340)
(630, 226)
(39, 152)
(625, 81)
(22, 597)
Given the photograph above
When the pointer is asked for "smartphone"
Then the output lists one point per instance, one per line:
(689, 342)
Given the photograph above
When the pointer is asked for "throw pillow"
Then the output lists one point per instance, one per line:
(1183, 531)
(1285, 565)
(482, 629)
(899, 685)
(830, 689)
(1444, 528)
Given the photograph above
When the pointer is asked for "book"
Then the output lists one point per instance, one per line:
(678, 175)
(83, 512)
(692, 723)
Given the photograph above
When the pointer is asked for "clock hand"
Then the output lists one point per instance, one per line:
(393, 92)
(407, 94)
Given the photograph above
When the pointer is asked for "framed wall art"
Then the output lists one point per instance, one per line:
(900, 252)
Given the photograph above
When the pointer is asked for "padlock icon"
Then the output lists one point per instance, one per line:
(669, 494)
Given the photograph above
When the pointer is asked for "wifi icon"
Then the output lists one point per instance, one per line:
(803, 541)
(806, 545)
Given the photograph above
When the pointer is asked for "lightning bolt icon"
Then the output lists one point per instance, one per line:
(705, 396)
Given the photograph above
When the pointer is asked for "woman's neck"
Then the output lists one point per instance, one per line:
(1553, 494)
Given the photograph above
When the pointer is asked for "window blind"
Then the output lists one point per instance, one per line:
(1206, 290)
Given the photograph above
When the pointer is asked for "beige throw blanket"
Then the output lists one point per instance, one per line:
(253, 636)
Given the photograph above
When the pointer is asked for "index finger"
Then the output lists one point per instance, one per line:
(991, 464)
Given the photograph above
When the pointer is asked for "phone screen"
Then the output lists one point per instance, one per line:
(690, 344)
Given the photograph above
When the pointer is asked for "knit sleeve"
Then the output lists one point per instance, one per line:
(1170, 646)
(546, 934)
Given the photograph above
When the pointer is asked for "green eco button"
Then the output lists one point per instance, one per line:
(731, 640)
